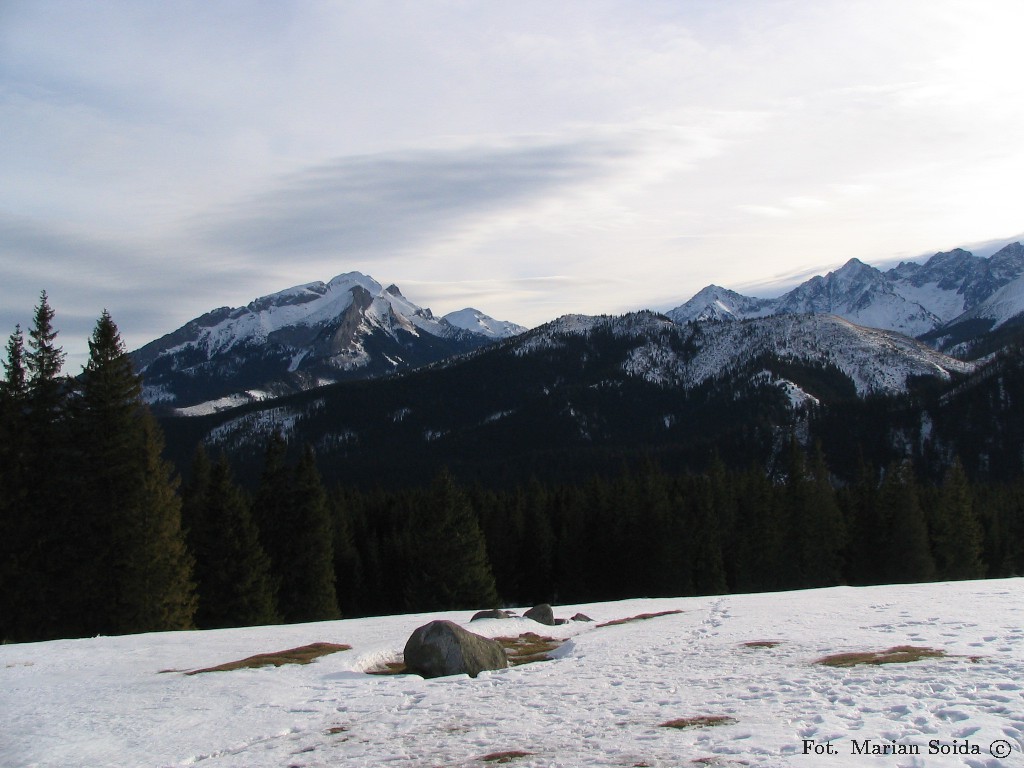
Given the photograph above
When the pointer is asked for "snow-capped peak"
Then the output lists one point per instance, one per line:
(305, 336)
(475, 321)
(911, 298)
(717, 303)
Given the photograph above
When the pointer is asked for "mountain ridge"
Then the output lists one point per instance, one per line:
(303, 337)
(911, 298)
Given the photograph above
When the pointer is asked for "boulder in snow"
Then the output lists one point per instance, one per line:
(542, 614)
(443, 648)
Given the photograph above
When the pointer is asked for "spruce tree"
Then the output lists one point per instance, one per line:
(348, 566)
(13, 400)
(906, 546)
(132, 572)
(14, 387)
(45, 539)
(825, 540)
(536, 546)
(307, 591)
(272, 507)
(449, 568)
(232, 570)
(957, 535)
(708, 565)
(759, 534)
(43, 363)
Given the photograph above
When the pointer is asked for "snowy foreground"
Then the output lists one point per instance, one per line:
(112, 702)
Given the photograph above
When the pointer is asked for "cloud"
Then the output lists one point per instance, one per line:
(380, 204)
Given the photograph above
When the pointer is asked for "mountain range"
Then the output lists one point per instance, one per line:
(301, 338)
(951, 300)
(833, 360)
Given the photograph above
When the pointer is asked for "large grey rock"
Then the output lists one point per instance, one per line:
(542, 614)
(443, 648)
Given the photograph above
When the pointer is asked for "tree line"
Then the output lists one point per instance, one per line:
(97, 536)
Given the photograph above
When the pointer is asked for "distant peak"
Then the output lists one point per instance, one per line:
(349, 279)
(394, 291)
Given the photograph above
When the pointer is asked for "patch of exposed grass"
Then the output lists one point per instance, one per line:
(528, 648)
(900, 654)
(700, 721)
(762, 644)
(389, 668)
(640, 617)
(504, 757)
(302, 655)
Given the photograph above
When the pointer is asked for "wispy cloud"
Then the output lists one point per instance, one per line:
(376, 205)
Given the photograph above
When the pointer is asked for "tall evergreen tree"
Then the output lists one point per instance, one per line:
(957, 534)
(307, 591)
(759, 534)
(906, 546)
(232, 570)
(193, 497)
(14, 387)
(824, 540)
(45, 540)
(449, 566)
(536, 546)
(131, 569)
(708, 564)
(348, 565)
(868, 532)
(272, 507)
(43, 363)
(13, 400)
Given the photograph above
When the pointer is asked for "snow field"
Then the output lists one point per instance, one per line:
(109, 702)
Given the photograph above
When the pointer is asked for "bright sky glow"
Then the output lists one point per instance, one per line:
(529, 159)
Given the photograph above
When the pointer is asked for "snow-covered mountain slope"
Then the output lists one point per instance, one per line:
(717, 303)
(863, 295)
(744, 663)
(475, 321)
(300, 338)
(875, 361)
(913, 299)
(1001, 307)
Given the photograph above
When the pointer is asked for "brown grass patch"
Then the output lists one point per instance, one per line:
(900, 654)
(528, 648)
(389, 668)
(640, 617)
(504, 757)
(762, 644)
(302, 655)
(700, 721)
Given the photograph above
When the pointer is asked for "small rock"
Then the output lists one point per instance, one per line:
(542, 614)
(494, 613)
(443, 648)
(581, 617)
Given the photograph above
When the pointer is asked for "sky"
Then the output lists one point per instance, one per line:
(529, 159)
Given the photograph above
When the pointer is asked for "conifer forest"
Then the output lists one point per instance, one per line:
(100, 534)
